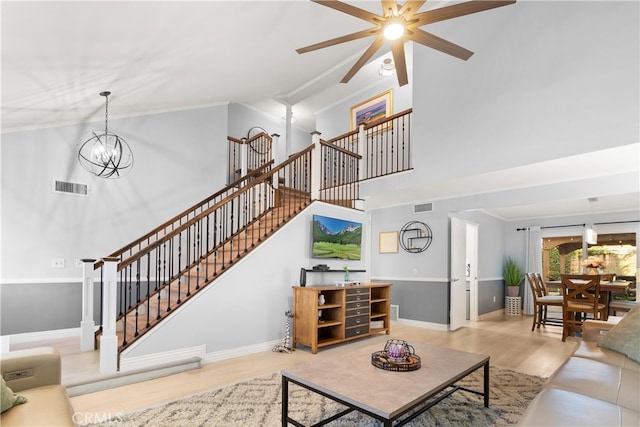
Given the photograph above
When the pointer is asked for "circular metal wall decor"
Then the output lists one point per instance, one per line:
(415, 237)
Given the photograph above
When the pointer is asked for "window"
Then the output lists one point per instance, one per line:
(564, 254)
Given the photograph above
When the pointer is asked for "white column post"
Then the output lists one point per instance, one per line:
(87, 325)
(275, 138)
(109, 340)
(287, 128)
(243, 157)
(316, 165)
(361, 145)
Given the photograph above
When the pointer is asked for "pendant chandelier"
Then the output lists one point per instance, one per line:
(105, 154)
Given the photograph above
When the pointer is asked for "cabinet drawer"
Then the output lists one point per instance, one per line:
(358, 330)
(357, 304)
(357, 311)
(358, 291)
(357, 320)
(357, 297)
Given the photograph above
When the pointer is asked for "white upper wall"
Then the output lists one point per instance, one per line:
(570, 85)
(177, 163)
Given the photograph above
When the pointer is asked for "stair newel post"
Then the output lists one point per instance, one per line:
(361, 145)
(87, 324)
(109, 339)
(357, 202)
(274, 143)
(244, 152)
(316, 165)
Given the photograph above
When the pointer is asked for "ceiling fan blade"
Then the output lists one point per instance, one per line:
(351, 10)
(410, 8)
(373, 48)
(389, 8)
(397, 48)
(438, 43)
(461, 9)
(338, 40)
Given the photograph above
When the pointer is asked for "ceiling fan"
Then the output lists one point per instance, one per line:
(400, 23)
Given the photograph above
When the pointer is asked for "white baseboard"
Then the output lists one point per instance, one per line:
(239, 351)
(42, 335)
(163, 358)
(421, 324)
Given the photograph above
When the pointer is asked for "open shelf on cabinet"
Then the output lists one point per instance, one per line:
(345, 314)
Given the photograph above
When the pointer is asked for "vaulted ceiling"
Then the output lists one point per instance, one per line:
(157, 56)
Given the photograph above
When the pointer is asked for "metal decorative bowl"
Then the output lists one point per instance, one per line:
(397, 355)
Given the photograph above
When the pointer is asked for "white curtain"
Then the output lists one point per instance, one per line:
(533, 252)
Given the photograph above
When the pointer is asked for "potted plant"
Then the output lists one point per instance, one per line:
(513, 276)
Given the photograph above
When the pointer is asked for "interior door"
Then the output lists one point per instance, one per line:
(458, 269)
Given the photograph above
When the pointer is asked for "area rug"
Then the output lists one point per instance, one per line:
(258, 403)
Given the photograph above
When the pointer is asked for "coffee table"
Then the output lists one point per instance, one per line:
(385, 395)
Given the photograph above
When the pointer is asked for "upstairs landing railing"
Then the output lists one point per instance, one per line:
(373, 150)
(248, 154)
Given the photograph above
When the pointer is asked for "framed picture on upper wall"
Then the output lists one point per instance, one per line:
(373, 109)
(388, 242)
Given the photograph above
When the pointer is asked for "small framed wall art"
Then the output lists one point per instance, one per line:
(388, 242)
(373, 109)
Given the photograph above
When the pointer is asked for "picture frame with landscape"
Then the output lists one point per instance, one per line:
(335, 238)
(372, 110)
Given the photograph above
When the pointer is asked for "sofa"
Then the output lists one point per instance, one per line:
(34, 375)
(599, 385)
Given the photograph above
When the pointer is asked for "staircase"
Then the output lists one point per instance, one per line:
(163, 269)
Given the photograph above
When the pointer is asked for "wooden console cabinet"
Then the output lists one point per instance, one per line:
(348, 312)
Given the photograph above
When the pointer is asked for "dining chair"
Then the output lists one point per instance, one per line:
(545, 288)
(620, 305)
(541, 302)
(606, 297)
(608, 277)
(580, 298)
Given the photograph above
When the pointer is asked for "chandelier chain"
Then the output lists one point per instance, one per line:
(106, 113)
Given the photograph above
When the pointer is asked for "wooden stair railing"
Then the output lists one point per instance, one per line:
(384, 145)
(181, 218)
(160, 271)
(258, 152)
(377, 149)
(339, 175)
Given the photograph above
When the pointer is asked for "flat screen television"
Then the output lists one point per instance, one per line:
(336, 238)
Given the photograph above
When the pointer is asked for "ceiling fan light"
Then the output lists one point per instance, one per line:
(394, 29)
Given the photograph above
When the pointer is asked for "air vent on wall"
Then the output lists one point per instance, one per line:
(425, 207)
(71, 188)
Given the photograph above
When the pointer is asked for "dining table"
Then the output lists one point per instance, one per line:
(606, 288)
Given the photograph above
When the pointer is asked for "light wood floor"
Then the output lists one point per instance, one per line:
(508, 340)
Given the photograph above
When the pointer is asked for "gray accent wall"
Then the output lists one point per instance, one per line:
(35, 307)
(422, 301)
(487, 290)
